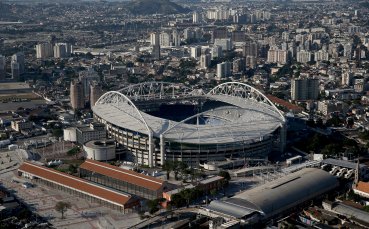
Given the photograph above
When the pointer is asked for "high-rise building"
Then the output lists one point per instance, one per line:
(225, 43)
(44, 51)
(196, 52)
(60, 51)
(276, 55)
(216, 52)
(155, 43)
(251, 62)
(154, 38)
(165, 39)
(239, 65)
(303, 56)
(205, 61)
(77, 99)
(86, 78)
(347, 50)
(321, 55)
(304, 89)
(15, 68)
(176, 38)
(220, 33)
(2, 67)
(19, 58)
(238, 36)
(96, 92)
(346, 78)
(196, 17)
(250, 49)
(223, 70)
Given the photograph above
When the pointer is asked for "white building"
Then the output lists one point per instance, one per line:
(225, 43)
(165, 39)
(223, 70)
(205, 61)
(196, 52)
(216, 52)
(303, 56)
(44, 50)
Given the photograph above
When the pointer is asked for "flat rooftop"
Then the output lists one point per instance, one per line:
(14, 86)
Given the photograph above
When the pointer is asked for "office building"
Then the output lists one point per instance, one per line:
(304, 89)
(44, 51)
(77, 99)
(95, 131)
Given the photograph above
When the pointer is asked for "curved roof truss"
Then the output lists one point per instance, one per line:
(243, 91)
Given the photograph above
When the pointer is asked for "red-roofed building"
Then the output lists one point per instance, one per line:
(122, 179)
(289, 106)
(362, 189)
(79, 187)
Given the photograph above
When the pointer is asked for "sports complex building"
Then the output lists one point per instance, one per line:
(159, 121)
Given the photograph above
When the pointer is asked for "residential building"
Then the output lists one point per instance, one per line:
(304, 89)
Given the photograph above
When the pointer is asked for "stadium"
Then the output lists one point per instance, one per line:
(158, 121)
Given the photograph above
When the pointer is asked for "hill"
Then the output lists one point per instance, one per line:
(155, 7)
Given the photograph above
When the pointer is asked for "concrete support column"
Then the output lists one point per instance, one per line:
(162, 149)
(283, 136)
(151, 150)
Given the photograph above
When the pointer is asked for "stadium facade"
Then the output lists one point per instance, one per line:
(245, 124)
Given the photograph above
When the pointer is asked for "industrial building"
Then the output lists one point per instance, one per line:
(276, 197)
(122, 179)
(78, 187)
(246, 124)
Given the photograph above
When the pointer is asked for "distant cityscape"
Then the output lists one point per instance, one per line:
(184, 114)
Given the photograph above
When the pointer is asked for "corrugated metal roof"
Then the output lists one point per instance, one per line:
(341, 163)
(286, 192)
(76, 183)
(129, 176)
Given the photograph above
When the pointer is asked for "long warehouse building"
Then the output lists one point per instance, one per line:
(122, 179)
(275, 198)
(79, 187)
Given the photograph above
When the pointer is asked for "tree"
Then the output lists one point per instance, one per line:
(153, 206)
(74, 151)
(62, 207)
(225, 174)
(57, 132)
(168, 167)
